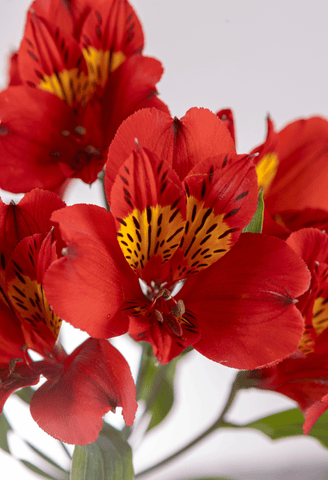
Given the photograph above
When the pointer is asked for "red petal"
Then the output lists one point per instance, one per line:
(310, 244)
(22, 376)
(148, 203)
(31, 215)
(111, 26)
(46, 52)
(226, 116)
(303, 155)
(11, 335)
(95, 379)
(244, 303)
(305, 218)
(130, 88)
(29, 153)
(14, 76)
(55, 12)
(93, 267)
(182, 143)
(313, 413)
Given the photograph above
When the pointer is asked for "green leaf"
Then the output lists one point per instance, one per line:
(43, 474)
(108, 458)
(256, 224)
(289, 424)
(25, 394)
(4, 429)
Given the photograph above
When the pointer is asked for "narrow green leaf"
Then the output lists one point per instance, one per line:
(43, 474)
(46, 458)
(66, 450)
(289, 424)
(256, 224)
(109, 458)
(25, 394)
(4, 429)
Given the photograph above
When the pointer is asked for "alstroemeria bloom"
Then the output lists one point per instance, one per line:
(304, 376)
(81, 73)
(292, 170)
(80, 387)
(165, 233)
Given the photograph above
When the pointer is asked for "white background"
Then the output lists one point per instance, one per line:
(257, 57)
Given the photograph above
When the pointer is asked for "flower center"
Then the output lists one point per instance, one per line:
(164, 308)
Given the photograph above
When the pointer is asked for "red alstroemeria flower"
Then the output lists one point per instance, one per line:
(304, 376)
(291, 171)
(80, 387)
(291, 168)
(164, 233)
(81, 73)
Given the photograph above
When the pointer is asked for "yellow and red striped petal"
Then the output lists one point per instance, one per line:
(109, 35)
(221, 201)
(25, 291)
(52, 60)
(148, 203)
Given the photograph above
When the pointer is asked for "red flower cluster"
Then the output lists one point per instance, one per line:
(80, 387)
(78, 74)
(169, 263)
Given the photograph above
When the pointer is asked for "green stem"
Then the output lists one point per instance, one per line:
(145, 359)
(219, 422)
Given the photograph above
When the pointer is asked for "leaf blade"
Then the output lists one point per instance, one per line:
(108, 458)
(256, 224)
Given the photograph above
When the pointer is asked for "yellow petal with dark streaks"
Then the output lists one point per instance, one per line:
(207, 237)
(69, 85)
(156, 231)
(28, 299)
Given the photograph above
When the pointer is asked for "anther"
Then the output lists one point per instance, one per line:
(80, 130)
(159, 316)
(179, 309)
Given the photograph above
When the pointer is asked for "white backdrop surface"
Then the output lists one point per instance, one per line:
(257, 57)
